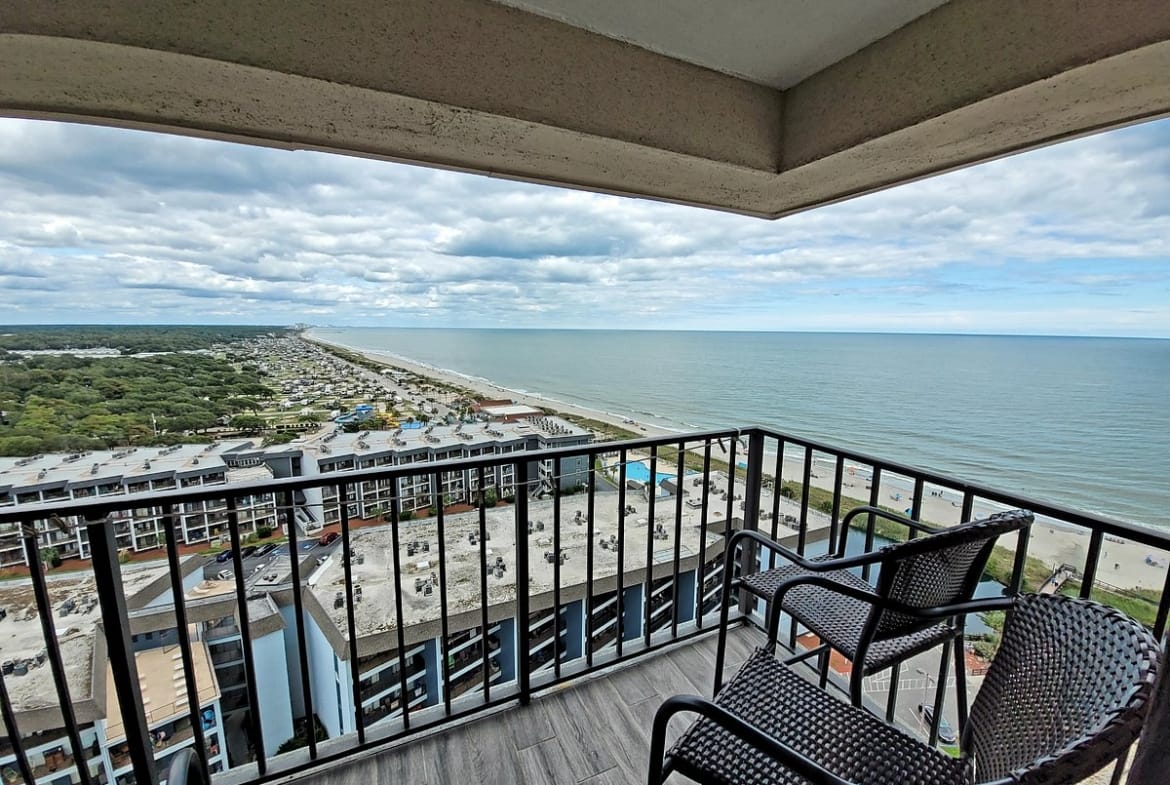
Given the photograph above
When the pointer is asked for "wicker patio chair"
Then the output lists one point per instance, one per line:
(876, 627)
(1065, 696)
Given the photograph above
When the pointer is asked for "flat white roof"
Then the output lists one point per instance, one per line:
(377, 578)
(125, 465)
(336, 445)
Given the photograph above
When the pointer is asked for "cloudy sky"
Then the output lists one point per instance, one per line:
(100, 225)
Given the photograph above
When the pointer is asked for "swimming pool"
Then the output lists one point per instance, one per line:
(641, 472)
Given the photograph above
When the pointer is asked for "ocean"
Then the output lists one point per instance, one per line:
(1083, 422)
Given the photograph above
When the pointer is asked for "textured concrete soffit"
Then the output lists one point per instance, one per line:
(533, 99)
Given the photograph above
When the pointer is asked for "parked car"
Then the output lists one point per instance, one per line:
(225, 556)
(328, 538)
(946, 734)
(248, 550)
(265, 549)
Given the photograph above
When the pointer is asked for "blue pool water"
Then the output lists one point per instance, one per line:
(641, 473)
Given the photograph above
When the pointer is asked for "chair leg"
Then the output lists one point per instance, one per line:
(658, 770)
(892, 695)
(856, 678)
(721, 642)
(940, 693)
(826, 658)
(960, 683)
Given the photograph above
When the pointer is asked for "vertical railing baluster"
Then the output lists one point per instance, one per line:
(740, 563)
(676, 606)
(170, 537)
(399, 614)
(521, 629)
(556, 644)
(286, 501)
(777, 489)
(835, 545)
(806, 481)
(704, 508)
(1163, 608)
(1092, 559)
(648, 584)
(754, 483)
(871, 521)
(916, 503)
(590, 532)
(350, 618)
(730, 512)
(121, 654)
(967, 508)
(621, 554)
(233, 516)
(524, 673)
(9, 714)
(749, 553)
(444, 644)
(1023, 537)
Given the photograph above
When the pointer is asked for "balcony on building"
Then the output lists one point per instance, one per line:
(457, 671)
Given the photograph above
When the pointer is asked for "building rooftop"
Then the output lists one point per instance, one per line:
(438, 437)
(75, 617)
(510, 410)
(104, 466)
(373, 568)
(163, 685)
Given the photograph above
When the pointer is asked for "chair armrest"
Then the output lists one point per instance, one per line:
(866, 509)
(770, 745)
(771, 545)
(812, 565)
(936, 612)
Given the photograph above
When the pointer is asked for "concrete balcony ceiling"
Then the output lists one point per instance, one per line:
(763, 107)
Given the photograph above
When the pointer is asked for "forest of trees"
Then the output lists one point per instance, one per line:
(126, 339)
(68, 403)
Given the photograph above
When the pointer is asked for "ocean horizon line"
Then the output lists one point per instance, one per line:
(853, 332)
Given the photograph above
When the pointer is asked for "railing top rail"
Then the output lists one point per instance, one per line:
(96, 508)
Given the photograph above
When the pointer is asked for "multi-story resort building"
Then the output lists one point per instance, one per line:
(107, 473)
(342, 452)
(80, 476)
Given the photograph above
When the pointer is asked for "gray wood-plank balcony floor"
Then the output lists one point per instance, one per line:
(595, 731)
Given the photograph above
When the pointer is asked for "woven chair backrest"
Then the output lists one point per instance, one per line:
(1066, 693)
(938, 569)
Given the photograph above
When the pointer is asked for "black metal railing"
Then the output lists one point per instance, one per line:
(517, 601)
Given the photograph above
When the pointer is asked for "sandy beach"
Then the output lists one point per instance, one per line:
(1123, 564)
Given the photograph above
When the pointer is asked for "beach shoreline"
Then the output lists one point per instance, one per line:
(490, 389)
(1122, 564)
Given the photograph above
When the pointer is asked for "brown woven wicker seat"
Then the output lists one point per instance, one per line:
(1064, 697)
(876, 626)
